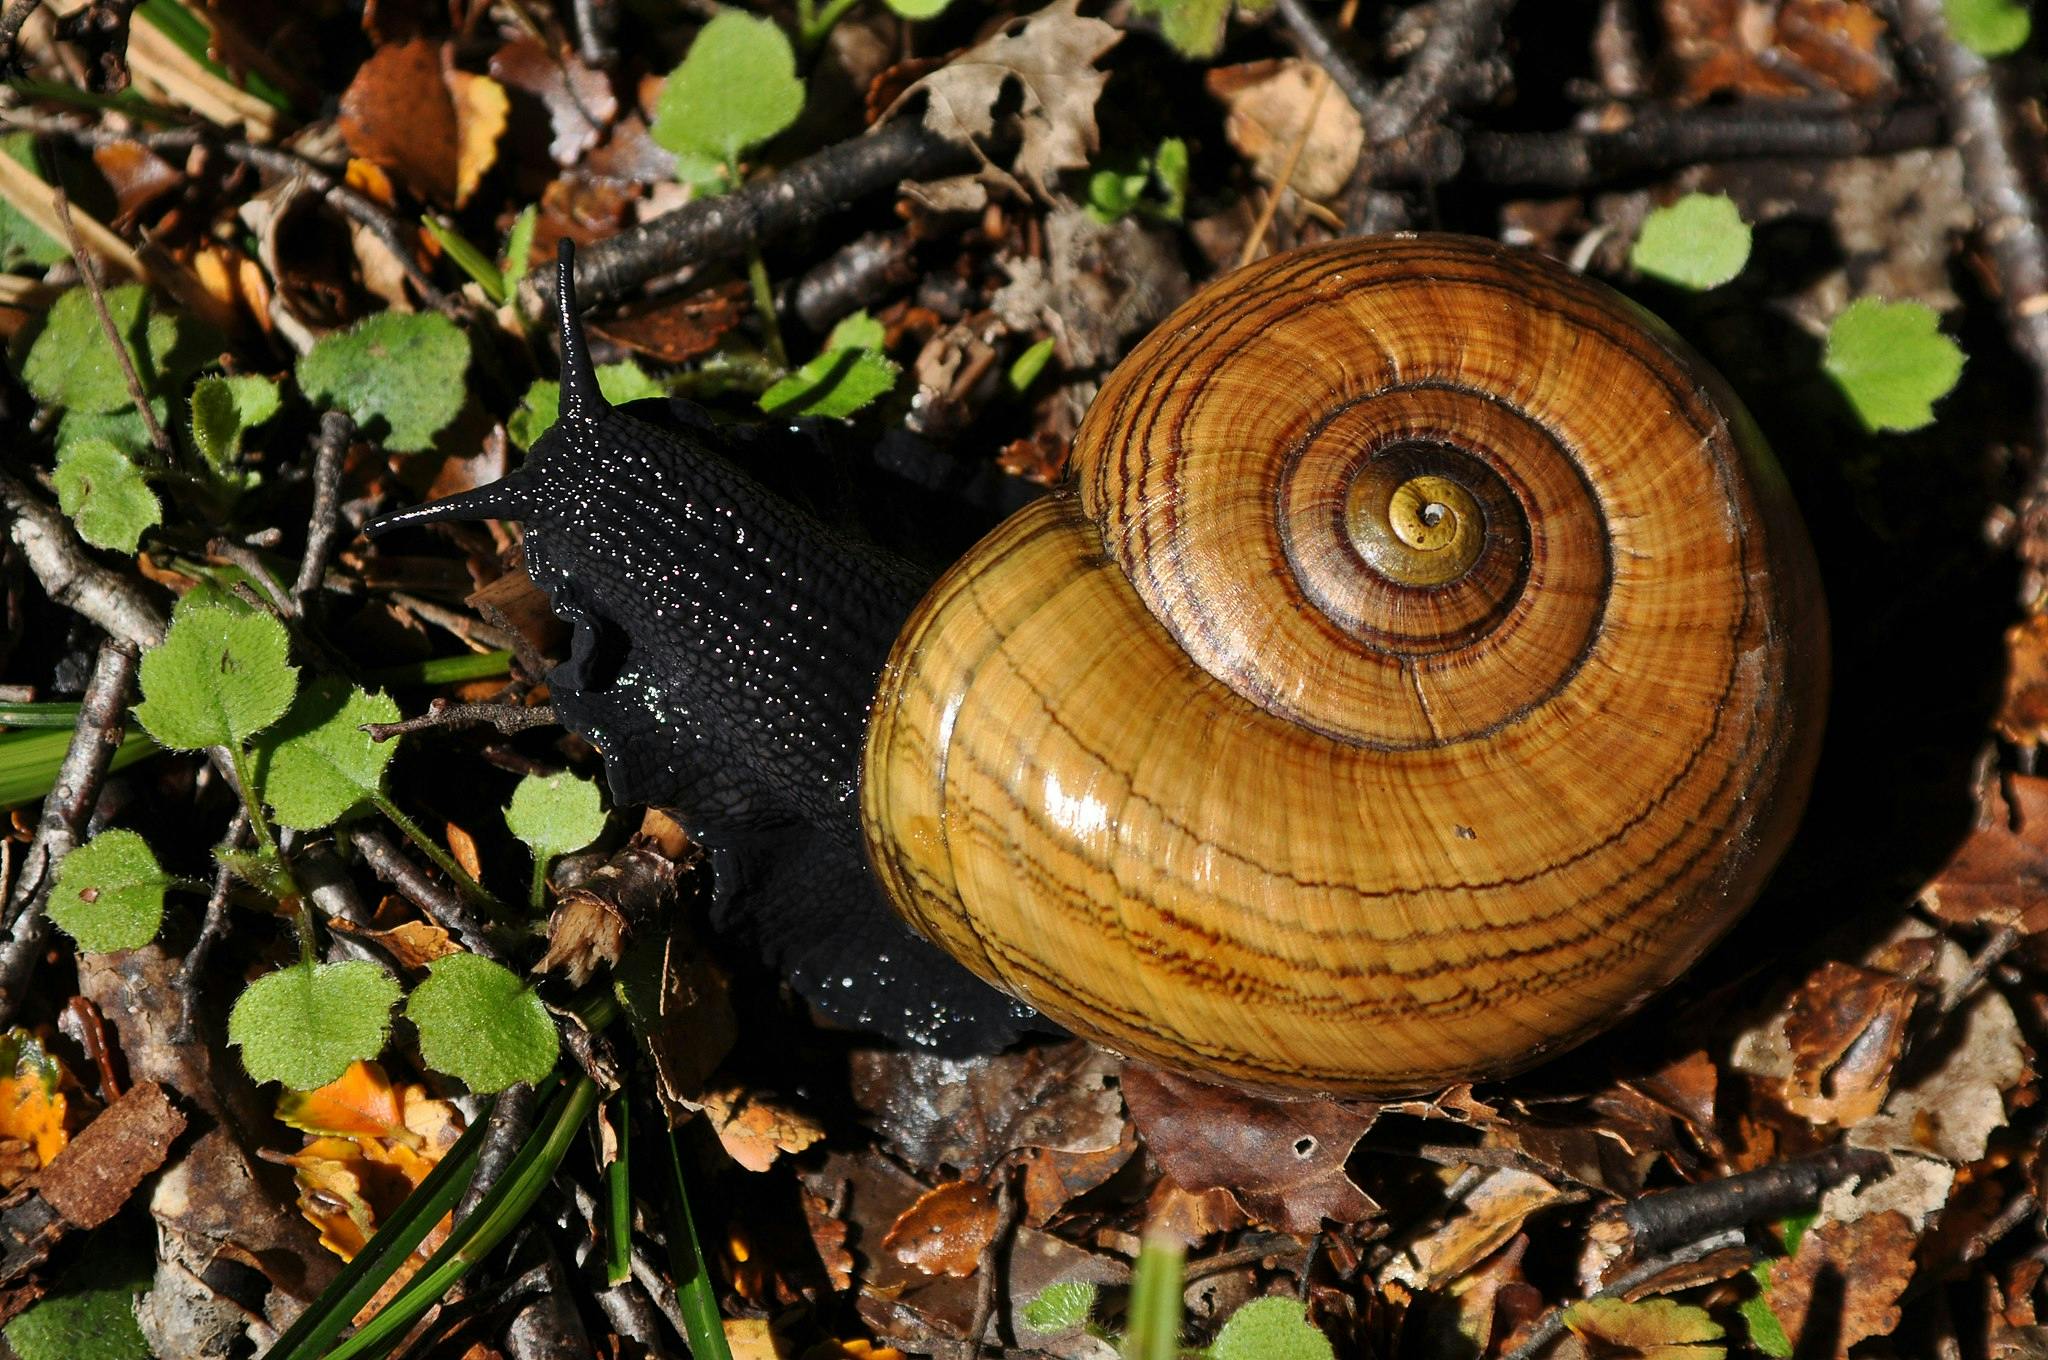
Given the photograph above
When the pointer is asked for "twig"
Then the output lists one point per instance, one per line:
(1664, 1217)
(507, 718)
(1981, 963)
(756, 215)
(1552, 1324)
(69, 577)
(193, 970)
(597, 23)
(252, 566)
(1322, 49)
(16, 14)
(470, 630)
(90, 276)
(445, 905)
(1008, 1212)
(511, 1119)
(329, 452)
(102, 717)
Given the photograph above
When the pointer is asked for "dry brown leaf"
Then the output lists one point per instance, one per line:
(1846, 1027)
(1844, 1283)
(411, 944)
(1776, 48)
(946, 1231)
(1268, 103)
(577, 101)
(756, 1129)
(828, 1234)
(1487, 1219)
(138, 177)
(1656, 1329)
(409, 110)
(462, 845)
(1283, 1160)
(1051, 1179)
(1999, 875)
(1051, 58)
(676, 330)
(1189, 1216)
(968, 1113)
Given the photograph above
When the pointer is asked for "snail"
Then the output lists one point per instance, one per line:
(1426, 664)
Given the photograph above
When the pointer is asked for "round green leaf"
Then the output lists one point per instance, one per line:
(90, 1313)
(918, 9)
(1271, 1329)
(318, 764)
(1699, 242)
(556, 814)
(1892, 362)
(109, 893)
(71, 364)
(105, 494)
(220, 677)
(620, 382)
(304, 1025)
(735, 90)
(480, 1023)
(1990, 28)
(400, 376)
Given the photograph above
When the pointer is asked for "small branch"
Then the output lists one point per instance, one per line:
(101, 29)
(102, 719)
(69, 576)
(470, 630)
(445, 905)
(1009, 1211)
(1319, 47)
(758, 214)
(1657, 1220)
(507, 1126)
(16, 14)
(253, 567)
(329, 452)
(211, 929)
(90, 276)
(1461, 36)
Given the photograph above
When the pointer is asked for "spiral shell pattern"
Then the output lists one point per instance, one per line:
(1428, 669)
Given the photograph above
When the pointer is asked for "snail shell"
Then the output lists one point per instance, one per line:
(1428, 665)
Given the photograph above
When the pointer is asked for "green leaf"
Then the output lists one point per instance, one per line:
(620, 382)
(1170, 172)
(91, 1313)
(1060, 1307)
(480, 1023)
(1662, 1327)
(1030, 364)
(1194, 27)
(858, 331)
(396, 374)
(838, 382)
(109, 893)
(226, 409)
(1699, 242)
(71, 365)
(918, 9)
(519, 246)
(1271, 1329)
(736, 89)
(105, 494)
(317, 765)
(1113, 193)
(304, 1025)
(1990, 28)
(220, 677)
(556, 814)
(1891, 362)
(1766, 1332)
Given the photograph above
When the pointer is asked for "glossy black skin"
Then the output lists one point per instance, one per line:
(726, 647)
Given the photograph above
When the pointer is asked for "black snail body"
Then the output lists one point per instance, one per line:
(1428, 667)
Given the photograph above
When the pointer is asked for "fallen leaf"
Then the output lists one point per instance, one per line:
(578, 102)
(34, 1108)
(1846, 1027)
(1051, 58)
(411, 944)
(676, 330)
(435, 127)
(1999, 875)
(1268, 103)
(1776, 50)
(756, 1129)
(1485, 1220)
(1283, 1160)
(1655, 1329)
(947, 1230)
(1844, 1284)
(968, 1113)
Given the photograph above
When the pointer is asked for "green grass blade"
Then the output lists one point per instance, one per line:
(699, 1306)
(472, 261)
(618, 1227)
(195, 39)
(1155, 1313)
(317, 1327)
(508, 1201)
(55, 714)
(441, 670)
(29, 761)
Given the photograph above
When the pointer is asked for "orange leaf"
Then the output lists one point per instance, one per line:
(360, 1103)
(33, 1108)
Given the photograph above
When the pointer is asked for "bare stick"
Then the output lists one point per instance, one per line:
(87, 273)
(1665, 1217)
(329, 452)
(102, 719)
(445, 905)
(1322, 49)
(193, 970)
(507, 718)
(11, 20)
(116, 603)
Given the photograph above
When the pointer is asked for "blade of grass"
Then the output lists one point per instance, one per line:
(359, 1281)
(472, 261)
(1154, 1323)
(441, 670)
(699, 1306)
(52, 714)
(195, 39)
(29, 761)
(618, 1228)
(507, 1202)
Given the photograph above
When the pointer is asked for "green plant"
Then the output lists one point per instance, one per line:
(1892, 362)
(1699, 242)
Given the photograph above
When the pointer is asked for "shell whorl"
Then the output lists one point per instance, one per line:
(1429, 668)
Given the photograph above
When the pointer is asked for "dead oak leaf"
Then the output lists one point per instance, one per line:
(1844, 1284)
(1999, 876)
(579, 101)
(1051, 58)
(1283, 1160)
(1487, 1219)
(436, 128)
(946, 1231)
(970, 1112)
(1267, 104)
